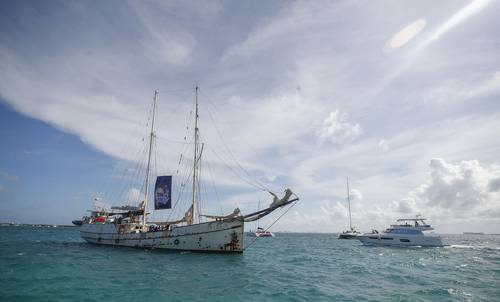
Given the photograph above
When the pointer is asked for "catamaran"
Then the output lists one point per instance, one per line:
(129, 226)
(351, 233)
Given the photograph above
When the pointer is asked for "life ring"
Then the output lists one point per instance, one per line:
(176, 241)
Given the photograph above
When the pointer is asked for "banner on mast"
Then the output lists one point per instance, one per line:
(163, 192)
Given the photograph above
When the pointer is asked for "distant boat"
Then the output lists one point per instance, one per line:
(407, 232)
(263, 233)
(352, 232)
(77, 222)
(128, 225)
(260, 232)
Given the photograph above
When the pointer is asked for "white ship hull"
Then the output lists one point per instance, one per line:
(400, 239)
(215, 236)
(348, 235)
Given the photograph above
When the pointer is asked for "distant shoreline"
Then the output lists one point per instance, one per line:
(38, 225)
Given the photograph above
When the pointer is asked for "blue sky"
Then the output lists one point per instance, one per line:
(401, 97)
(47, 175)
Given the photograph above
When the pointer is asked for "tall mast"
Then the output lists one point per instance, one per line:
(151, 137)
(349, 203)
(195, 163)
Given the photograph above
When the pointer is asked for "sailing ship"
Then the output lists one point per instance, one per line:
(351, 233)
(129, 225)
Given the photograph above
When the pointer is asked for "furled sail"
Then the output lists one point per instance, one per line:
(235, 214)
(277, 203)
(163, 192)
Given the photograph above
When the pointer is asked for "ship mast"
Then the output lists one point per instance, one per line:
(349, 204)
(195, 163)
(151, 137)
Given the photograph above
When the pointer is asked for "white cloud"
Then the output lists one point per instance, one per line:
(465, 191)
(337, 129)
(355, 195)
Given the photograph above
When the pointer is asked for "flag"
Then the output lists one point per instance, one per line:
(163, 192)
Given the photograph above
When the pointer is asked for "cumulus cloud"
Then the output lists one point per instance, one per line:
(355, 194)
(335, 211)
(337, 129)
(465, 189)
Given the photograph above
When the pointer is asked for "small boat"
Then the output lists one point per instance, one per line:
(352, 232)
(77, 222)
(349, 234)
(407, 232)
(263, 233)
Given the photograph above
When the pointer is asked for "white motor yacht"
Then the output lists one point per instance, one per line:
(407, 232)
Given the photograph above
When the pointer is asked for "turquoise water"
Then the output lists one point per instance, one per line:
(54, 264)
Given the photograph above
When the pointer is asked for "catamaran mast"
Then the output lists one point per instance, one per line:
(195, 163)
(349, 203)
(151, 137)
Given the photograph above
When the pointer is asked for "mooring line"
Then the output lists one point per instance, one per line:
(271, 224)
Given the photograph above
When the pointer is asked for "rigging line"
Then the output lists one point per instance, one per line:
(282, 214)
(181, 192)
(129, 182)
(219, 133)
(184, 177)
(125, 166)
(173, 141)
(231, 153)
(126, 183)
(106, 185)
(214, 186)
(235, 173)
(140, 156)
(199, 184)
(186, 144)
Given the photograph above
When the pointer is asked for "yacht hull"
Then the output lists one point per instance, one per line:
(400, 240)
(214, 236)
(348, 236)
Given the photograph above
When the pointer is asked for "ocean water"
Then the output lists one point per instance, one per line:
(54, 264)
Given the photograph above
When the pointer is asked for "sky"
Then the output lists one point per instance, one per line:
(401, 97)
